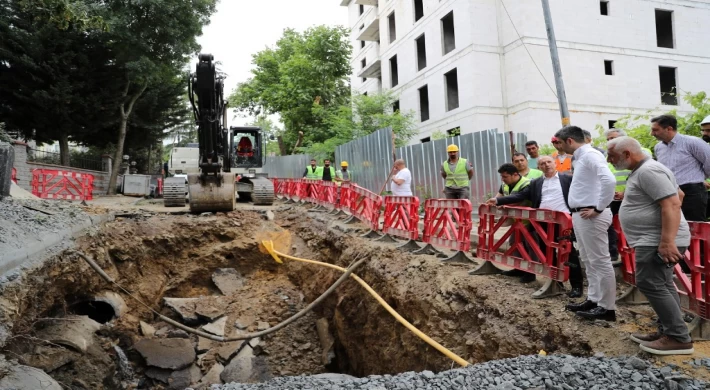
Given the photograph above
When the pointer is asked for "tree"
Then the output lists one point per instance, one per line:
(303, 70)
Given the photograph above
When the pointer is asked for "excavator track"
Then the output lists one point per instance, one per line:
(174, 190)
(262, 192)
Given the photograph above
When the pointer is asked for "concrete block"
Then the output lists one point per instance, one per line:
(7, 161)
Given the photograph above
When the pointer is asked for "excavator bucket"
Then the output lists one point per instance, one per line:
(217, 193)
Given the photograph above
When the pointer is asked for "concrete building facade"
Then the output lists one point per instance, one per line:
(480, 64)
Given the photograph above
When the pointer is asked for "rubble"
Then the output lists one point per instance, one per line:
(173, 354)
(217, 327)
(227, 280)
(76, 332)
(24, 377)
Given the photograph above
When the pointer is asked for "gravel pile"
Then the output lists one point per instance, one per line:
(526, 372)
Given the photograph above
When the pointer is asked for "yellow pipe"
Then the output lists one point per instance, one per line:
(275, 254)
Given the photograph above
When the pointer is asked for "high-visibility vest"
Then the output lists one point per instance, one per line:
(565, 165)
(648, 151)
(339, 174)
(310, 174)
(534, 174)
(621, 177)
(519, 186)
(460, 175)
(320, 172)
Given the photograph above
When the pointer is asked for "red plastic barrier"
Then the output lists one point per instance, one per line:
(327, 194)
(14, 175)
(402, 216)
(626, 254)
(55, 184)
(696, 287)
(543, 223)
(365, 206)
(310, 190)
(447, 223)
(344, 197)
(160, 187)
(278, 183)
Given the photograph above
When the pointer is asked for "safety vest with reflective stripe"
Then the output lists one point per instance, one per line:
(621, 177)
(339, 174)
(310, 174)
(459, 177)
(534, 174)
(519, 186)
(565, 165)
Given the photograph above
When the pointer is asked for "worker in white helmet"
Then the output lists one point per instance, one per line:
(705, 127)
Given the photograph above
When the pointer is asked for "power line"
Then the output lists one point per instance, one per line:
(526, 48)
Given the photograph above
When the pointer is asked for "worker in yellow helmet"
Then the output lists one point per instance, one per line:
(458, 173)
(343, 175)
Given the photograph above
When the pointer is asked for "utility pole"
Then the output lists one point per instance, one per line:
(561, 96)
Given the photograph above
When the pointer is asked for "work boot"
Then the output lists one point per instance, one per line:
(666, 345)
(581, 306)
(645, 338)
(512, 272)
(575, 292)
(598, 313)
(528, 278)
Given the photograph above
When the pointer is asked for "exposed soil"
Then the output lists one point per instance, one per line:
(479, 318)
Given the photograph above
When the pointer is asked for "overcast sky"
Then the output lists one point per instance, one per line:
(241, 28)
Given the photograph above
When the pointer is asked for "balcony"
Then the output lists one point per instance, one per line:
(344, 3)
(364, 2)
(371, 71)
(371, 26)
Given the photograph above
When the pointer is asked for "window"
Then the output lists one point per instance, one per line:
(612, 124)
(362, 9)
(425, 140)
(395, 106)
(363, 62)
(421, 52)
(391, 22)
(394, 72)
(362, 44)
(608, 67)
(364, 79)
(667, 77)
(448, 35)
(362, 26)
(455, 132)
(418, 10)
(604, 8)
(424, 103)
(451, 80)
(664, 28)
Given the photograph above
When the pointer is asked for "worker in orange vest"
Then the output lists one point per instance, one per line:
(563, 161)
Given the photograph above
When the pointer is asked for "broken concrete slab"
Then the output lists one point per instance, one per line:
(24, 377)
(225, 351)
(243, 322)
(213, 375)
(173, 354)
(209, 311)
(76, 332)
(240, 368)
(217, 327)
(185, 307)
(204, 344)
(49, 358)
(147, 330)
(176, 380)
(228, 280)
(262, 325)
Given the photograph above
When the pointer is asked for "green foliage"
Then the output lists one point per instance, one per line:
(269, 130)
(547, 150)
(437, 135)
(639, 127)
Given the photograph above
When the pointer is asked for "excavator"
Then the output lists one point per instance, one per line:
(222, 169)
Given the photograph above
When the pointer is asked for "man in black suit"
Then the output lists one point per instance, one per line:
(549, 192)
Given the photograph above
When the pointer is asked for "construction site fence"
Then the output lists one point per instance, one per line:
(57, 184)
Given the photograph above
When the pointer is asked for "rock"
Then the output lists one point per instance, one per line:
(225, 351)
(147, 330)
(305, 347)
(213, 375)
(209, 311)
(262, 326)
(334, 377)
(243, 322)
(173, 354)
(636, 377)
(240, 368)
(185, 307)
(204, 344)
(76, 332)
(269, 215)
(24, 377)
(217, 327)
(637, 363)
(176, 380)
(228, 280)
(178, 334)
(568, 369)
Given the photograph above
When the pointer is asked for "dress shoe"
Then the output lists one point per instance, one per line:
(512, 272)
(528, 278)
(575, 292)
(581, 306)
(598, 313)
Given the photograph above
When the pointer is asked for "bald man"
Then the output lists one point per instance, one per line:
(402, 180)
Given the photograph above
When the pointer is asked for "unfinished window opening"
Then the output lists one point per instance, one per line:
(394, 72)
(612, 124)
(421, 52)
(455, 132)
(664, 28)
(362, 44)
(448, 34)
(392, 23)
(418, 10)
(363, 62)
(451, 80)
(364, 79)
(667, 78)
(604, 8)
(362, 9)
(395, 106)
(608, 67)
(362, 26)
(424, 103)
(425, 140)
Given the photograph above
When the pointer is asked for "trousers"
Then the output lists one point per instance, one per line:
(655, 281)
(456, 193)
(594, 251)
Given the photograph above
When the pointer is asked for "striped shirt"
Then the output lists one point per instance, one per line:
(687, 157)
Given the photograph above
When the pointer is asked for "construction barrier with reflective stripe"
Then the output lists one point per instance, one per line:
(447, 223)
(626, 254)
(14, 175)
(55, 184)
(525, 253)
(278, 186)
(365, 206)
(327, 194)
(159, 190)
(402, 217)
(310, 190)
(344, 197)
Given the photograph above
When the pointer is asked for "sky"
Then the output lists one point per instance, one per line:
(241, 28)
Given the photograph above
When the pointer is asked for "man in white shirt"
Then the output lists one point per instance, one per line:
(590, 194)
(402, 181)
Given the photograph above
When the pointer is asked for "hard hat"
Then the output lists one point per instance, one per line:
(452, 148)
(706, 120)
(555, 139)
(344, 164)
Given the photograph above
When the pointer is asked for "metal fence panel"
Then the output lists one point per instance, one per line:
(287, 167)
(369, 159)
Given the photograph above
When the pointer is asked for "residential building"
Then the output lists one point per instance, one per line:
(481, 64)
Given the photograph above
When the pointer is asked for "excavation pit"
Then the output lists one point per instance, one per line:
(209, 273)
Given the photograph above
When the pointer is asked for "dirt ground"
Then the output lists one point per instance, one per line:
(157, 255)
